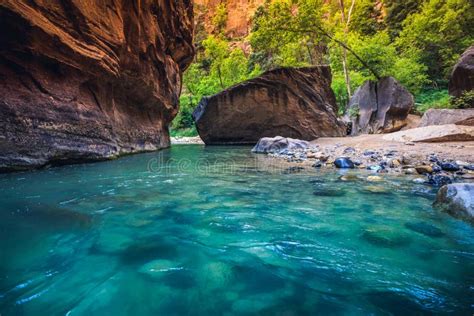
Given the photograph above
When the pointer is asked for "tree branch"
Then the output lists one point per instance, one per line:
(326, 34)
(350, 14)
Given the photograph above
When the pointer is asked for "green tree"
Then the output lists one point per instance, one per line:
(396, 12)
(367, 18)
(219, 67)
(219, 20)
(277, 33)
(439, 33)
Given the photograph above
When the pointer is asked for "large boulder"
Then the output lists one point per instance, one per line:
(462, 77)
(432, 134)
(291, 102)
(379, 107)
(89, 80)
(457, 199)
(279, 144)
(448, 116)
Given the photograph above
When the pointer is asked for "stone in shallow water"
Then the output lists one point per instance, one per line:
(449, 166)
(377, 189)
(329, 192)
(344, 163)
(279, 144)
(425, 229)
(56, 217)
(385, 237)
(439, 180)
(457, 199)
(375, 168)
(349, 177)
(148, 249)
(424, 169)
(112, 242)
(419, 180)
(374, 178)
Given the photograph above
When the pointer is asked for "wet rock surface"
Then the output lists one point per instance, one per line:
(380, 107)
(85, 80)
(290, 102)
(457, 199)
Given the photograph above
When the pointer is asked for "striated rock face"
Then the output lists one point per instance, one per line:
(448, 116)
(290, 102)
(89, 80)
(380, 107)
(462, 78)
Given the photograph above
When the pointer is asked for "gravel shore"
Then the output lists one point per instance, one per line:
(432, 163)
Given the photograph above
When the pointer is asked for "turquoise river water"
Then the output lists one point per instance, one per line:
(199, 230)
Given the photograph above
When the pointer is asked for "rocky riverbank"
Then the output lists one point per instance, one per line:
(431, 163)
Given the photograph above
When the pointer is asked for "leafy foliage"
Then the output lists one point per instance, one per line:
(219, 19)
(415, 41)
(219, 67)
(439, 33)
(397, 12)
(432, 98)
(466, 100)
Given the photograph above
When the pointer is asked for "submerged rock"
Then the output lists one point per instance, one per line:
(331, 192)
(419, 180)
(291, 102)
(278, 144)
(425, 229)
(457, 199)
(385, 237)
(344, 163)
(376, 189)
(349, 177)
(374, 178)
(89, 80)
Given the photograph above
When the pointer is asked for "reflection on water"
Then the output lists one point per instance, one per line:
(198, 231)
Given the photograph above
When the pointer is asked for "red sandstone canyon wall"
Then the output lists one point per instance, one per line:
(89, 80)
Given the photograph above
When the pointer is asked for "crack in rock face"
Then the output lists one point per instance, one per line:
(380, 107)
(86, 80)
